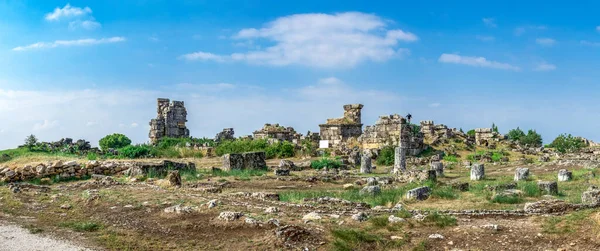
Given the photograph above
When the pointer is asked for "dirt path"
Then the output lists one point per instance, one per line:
(15, 238)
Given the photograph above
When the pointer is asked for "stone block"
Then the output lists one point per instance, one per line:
(438, 167)
(233, 161)
(477, 172)
(521, 174)
(419, 193)
(549, 187)
(564, 175)
(254, 160)
(591, 196)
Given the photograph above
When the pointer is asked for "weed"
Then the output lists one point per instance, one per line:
(326, 163)
(439, 220)
(451, 158)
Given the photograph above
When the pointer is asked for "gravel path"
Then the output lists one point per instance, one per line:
(14, 238)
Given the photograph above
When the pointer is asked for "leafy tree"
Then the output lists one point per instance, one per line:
(495, 128)
(516, 134)
(471, 133)
(532, 139)
(31, 141)
(567, 143)
(115, 141)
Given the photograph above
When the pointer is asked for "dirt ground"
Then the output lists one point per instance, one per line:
(130, 215)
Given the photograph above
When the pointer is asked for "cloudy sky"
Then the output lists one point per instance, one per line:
(84, 69)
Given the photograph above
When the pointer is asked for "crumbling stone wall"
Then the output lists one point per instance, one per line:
(487, 137)
(340, 130)
(249, 160)
(386, 132)
(275, 131)
(226, 134)
(170, 121)
(434, 134)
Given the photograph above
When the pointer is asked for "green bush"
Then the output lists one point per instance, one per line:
(326, 162)
(386, 156)
(134, 152)
(92, 156)
(567, 143)
(169, 142)
(451, 158)
(516, 134)
(30, 141)
(114, 141)
(532, 138)
(278, 150)
(471, 133)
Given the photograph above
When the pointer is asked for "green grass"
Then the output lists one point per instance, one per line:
(346, 239)
(81, 226)
(241, 174)
(506, 199)
(568, 223)
(12, 154)
(326, 162)
(439, 220)
(451, 158)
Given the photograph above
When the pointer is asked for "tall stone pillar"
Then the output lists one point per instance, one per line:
(365, 164)
(400, 151)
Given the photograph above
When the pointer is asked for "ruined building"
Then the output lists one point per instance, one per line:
(487, 137)
(341, 130)
(435, 134)
(170, 121)
(226, 134)
(275, 131)
(386, 132)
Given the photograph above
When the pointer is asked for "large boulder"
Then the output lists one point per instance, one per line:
(564, 175)
(549, 187)
(477, 172)
(521, 174)
(288, 165)
(419, 193)
(438, 167)
(591, 196)
(233, 161)
(370, 190)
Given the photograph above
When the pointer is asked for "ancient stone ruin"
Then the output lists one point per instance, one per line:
(487, 137)
(170, 121)
(435, 134)
(226, 134)
(386, 132)
(277, 132)
(249, 160)
(341, 130)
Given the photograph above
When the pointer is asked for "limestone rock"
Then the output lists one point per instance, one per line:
(288, 165)
(230, 216)
(438, 167)
(549, 187)
(360, 217)
(546, 206)
(372, 181)
(591, 196)
(348, 186)
(312, 217)
(178, 209)
(370, 190)
(477, 172)
(393, 219)
(365, 163)
(420, 193)
(521, 174)
(174, 178)
(272, 210)
(564, 175)
(282, 172)
(169, 122)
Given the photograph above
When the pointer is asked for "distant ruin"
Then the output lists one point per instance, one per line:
(487, 137)
(280, 133)
(341, 130)
(386, 132)
(169, 122)
(226, 134)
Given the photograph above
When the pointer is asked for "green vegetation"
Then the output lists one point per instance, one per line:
(568, 223)
(326, 162)
(439, 220)
(493, 156)
(134, 152)
(567, 143)
(495, 128)
(81, 226)
(471, 133)
(278, 150)
(386, 156)
(30, 141)
(451, 158)
(354, 239)
(531, 139)
(114, 141)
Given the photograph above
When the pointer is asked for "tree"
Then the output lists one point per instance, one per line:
(532, 139)
(471, 133)
(516, 134)
(495, 128)
(461, 130)
(114, 141)
(567, 143)
(31, 141)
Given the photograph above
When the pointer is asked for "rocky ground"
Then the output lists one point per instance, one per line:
(308, 209)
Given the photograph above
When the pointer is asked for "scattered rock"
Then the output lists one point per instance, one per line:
(394, 219)
(282, 172)
(493, 227)
(360, 217)
(174, 178)
(348, 186)
(438, 167)
(230, 216)
(312, 217)
(178, 209)
(212, 203)
(521, 174)
(549, 187)
(65, 206)
(372, 181)
(436, 236)
(420, 193)
(547, 206)
(591, 196)
(272, 210)
(564, 175)
(370, 190)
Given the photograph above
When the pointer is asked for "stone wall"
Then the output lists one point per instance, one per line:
(435, 134)
(386, 132)
(68, 169)
(275, 131)
(487, 137)
(170, 121)
(226, 134)
(341, 130)
(240, 161)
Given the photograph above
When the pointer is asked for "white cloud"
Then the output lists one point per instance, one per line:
(203, 56)
(67, 12)
(47, 124)
(523, 29)
(590, 43)
(434, 105)
(134, 125)
(86, 24)
(485, 38)
(339, 40)
(543, 66)
(67, 43)
(545, 41)
(475, 61)
(489, 22)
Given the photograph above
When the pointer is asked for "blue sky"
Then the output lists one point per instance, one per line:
(84, 69)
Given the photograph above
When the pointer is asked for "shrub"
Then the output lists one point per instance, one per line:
(567, 143)
(386, 156)
(326, 162)
(92, 156)
(168, 142)
(451, 158)
(515, 134)
(133, 152)
(114, 141)
(278, 150)
(532, 139)
(471, 133)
